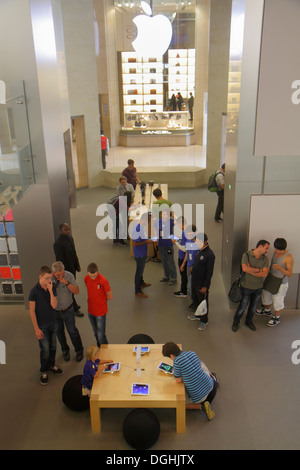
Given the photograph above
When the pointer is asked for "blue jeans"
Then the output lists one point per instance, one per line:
(138, 278)
(251, 297)
(167, 259)
(99, 325)
(68, 318)
(48, 347)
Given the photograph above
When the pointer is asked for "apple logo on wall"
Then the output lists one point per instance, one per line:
(154, 33)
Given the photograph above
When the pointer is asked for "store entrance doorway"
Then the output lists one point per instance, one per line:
(79, 152)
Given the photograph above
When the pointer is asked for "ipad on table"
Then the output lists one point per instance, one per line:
(140, 389)
(166, 368)
(144, 349)
(112, 367)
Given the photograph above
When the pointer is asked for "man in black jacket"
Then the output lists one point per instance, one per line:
(202, 272)
(64, 249)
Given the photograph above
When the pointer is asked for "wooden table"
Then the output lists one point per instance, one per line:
(114, 390)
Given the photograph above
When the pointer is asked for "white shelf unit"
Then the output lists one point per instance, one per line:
(181, 72)
(234, 85)
(142, 83)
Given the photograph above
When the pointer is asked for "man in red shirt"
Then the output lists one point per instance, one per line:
(104, 148)
(99, 292)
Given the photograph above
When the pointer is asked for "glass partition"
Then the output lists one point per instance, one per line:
(16, 167)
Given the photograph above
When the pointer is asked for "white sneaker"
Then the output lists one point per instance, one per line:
(193, 317)
(264, 312)
(274, 321)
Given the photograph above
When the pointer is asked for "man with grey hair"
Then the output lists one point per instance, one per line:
(66, 287)
(124, 187)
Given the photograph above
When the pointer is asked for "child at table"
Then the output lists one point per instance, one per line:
(92, 368)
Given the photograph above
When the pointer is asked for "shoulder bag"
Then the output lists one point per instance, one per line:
(272, 283)
(235, 293)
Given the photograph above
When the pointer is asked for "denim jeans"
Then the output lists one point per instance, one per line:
(138, 278)
(98, 325)
(48, 347)
(251, 297)
(183, 276)
(167, 259)
(68, 318)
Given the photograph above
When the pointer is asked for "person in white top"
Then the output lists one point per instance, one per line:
(281, 269)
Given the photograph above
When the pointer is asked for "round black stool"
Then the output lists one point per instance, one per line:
(141, 428)
(140, 339)
(72, 395)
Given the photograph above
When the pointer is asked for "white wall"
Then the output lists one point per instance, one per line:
(78, 24)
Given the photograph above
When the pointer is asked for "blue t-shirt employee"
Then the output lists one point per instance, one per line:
(200, 384)
(140, 242)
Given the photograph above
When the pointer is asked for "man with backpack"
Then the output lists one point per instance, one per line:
(220, 181)
(216, 185)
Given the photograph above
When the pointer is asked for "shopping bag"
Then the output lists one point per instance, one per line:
(201, 309)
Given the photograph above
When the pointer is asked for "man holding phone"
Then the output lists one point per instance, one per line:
(42, 305)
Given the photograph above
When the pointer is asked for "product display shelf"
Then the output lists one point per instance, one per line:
(181, 72)
(10, 273)
(143, 121)
(234, 86)
(142, 83)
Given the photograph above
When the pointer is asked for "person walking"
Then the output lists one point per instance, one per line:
(104, 148)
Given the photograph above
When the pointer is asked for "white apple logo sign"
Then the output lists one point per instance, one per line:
(154, 33)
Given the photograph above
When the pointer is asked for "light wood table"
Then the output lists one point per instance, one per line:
(114, 390)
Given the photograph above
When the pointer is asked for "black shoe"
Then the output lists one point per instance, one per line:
(250, 325)
(79, 356)
(180, 294)
(56, 370)
(66, 355)
(44, 378)
(78, 313)
(192, 307)
(235, 326)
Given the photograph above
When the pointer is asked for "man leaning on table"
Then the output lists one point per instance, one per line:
(200, 384)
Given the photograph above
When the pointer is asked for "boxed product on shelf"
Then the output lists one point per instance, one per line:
(5, 272)
(18, 288)
(3, 259)
(7, 287)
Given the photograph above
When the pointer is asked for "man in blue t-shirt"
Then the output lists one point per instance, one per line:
(181, 255)
(164, 231)
(200, 384)
(140, 242)
(42, 305)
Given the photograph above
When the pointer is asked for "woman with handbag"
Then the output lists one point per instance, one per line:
(276, 284)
